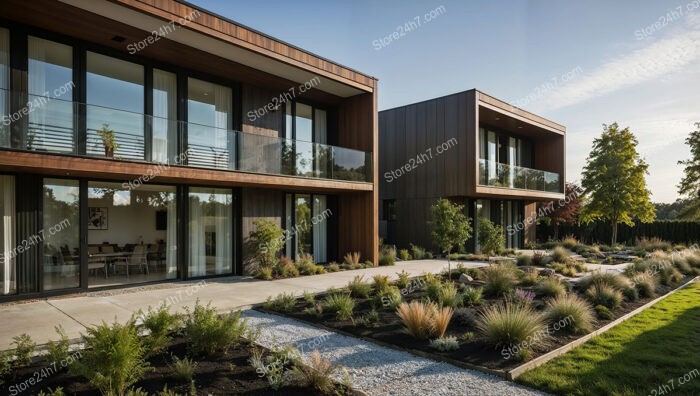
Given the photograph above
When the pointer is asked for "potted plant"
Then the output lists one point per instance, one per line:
(108, 140)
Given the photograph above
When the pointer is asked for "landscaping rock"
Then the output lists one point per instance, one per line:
(464, 278)
(547, 272)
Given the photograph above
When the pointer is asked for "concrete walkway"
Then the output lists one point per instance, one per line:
(39, 317)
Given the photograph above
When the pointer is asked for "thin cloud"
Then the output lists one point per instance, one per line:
(654, 61)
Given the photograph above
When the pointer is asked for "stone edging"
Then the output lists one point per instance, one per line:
(516, 372)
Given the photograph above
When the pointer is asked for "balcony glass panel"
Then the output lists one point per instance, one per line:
(256, 153)
(495, 174)
(4, 85)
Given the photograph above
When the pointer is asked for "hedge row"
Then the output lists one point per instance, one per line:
(685, 232)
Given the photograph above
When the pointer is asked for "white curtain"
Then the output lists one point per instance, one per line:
(198, 259)
(223, 122)
(4, 85)
(7, 233)
(512, 160)
(320, 229)
(164, 116)
(223, 234)
(171, 239)
(289, 242)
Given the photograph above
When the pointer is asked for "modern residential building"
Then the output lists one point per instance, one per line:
(495, 159)
(142, 138)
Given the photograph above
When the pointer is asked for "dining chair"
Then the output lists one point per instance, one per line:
(137, 257)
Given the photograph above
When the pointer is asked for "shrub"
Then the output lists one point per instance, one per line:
(333, 267)
(551, 287)
(524, 297)
(508, 324)
(417, 318)
(264, 273)
(630, 293)
(575, 312)
(352, 258)
(388, 298)
(448, 296)
(209, 333)
(472, 295)
(318, 373)
(56, 351)
(417, 252)
(559, 254)
(358, 288)
(183, 369)
(524, 260)
(381, 283)
(286, 268)
(468, 336)
(464, 316)
(669, 276)
(283, 302)
(404, 255)
(403, 280)
(341, 304)
(24, 349)
(529, 279)
(569, 242)
(387, 256)
(316, 310)
(500, 279)
(615, 281)
(272, 367)
(444, 344)
(5, 364)
(308, 297)
(306, 266)
(491, 237)
(56, 392)
(114, 357)
(646, 288)
(683, 266)
(523, 355)
(263, 244)
(440, 320)
(370, 319)
(604, 294)
(603, 312)
(160, 324)
(538, 259)
(652, 244)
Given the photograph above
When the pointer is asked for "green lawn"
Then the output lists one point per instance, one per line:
(645, 355)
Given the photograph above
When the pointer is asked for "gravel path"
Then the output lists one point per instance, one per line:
(378, 370)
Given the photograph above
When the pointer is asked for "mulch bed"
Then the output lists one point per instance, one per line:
(389, 331)
(228, 373)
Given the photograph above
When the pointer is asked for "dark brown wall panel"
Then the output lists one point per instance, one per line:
(530, 208)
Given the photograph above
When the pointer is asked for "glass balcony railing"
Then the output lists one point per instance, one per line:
(492, 173)
(64, 127)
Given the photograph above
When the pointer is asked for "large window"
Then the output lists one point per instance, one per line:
(7, 235)
(115, 97)
(50, 97)
(211, 231)
(61, 234)
(306, 125)
(210, 123)
(132, 233)
(4, 87)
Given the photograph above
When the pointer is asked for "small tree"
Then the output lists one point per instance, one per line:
(491, 237)
(613, 180)
(451, 228)
(690, 185)
(563, 211)
(264, 243)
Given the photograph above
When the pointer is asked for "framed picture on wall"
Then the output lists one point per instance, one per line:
(97, 219)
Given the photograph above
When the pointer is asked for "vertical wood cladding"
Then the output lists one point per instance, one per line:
(529, 212)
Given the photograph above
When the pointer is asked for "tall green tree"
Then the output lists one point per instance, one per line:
(690, 185)
(451, 227)
(613, 180)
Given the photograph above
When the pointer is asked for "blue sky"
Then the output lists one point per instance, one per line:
(621, 68)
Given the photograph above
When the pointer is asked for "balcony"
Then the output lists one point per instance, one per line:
(56, 126)
(496, 174)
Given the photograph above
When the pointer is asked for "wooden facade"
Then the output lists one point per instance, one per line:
(409, 136)
(212, 48)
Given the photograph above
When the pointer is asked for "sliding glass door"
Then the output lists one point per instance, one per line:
(210, 231)
(4, 87)
(306, 226)
(61, 234)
